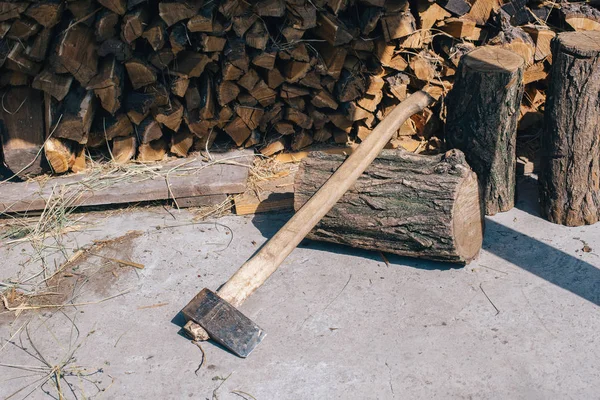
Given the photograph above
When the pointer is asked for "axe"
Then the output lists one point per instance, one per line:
(217, 313)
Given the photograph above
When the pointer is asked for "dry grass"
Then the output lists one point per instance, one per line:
(57, 375)
(266, 169)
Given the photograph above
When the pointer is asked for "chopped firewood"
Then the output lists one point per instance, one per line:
(116, 6)
(11, 10)
(295, 70)
(238, 130)
(108, 84)
(153, 151)
(422, 67)
(200, 23)
(77, 53)
(58, 154)
(107, 25)
(250, 115)
(140, 73)
(456, 7)
(22, 29)
(212, 43)
(535, 72)
(249, 80)
(37, 50)
(149, 130)
(257, 36)
(580, 17)
(55, 85)
(179, 84)
(155, 34)
(273, 147)
(123, 149)
(301, 140)
(133, 24)
(333, 57)
(263, 93)
(254, 70)
(542, 39)
(191, 63)
(181, 142)
(174, 11)
(284, 128)
(109, 127)
(170, 115)
(324, 99)
(398, 25)
(74, 115)
(270, 8)
(226, 92)
(332, 29)
(264, 60)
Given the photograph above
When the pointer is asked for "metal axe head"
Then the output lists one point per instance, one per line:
(224, 323)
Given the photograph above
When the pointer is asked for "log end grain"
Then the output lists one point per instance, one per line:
(493, 59)
(468, 218)
(584, 44)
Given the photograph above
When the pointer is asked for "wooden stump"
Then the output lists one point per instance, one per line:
(570, 159)
(483, 111)
(407, 204)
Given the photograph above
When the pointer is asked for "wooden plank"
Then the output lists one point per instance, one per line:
(22, 131)
(273, 195)
(189, 177)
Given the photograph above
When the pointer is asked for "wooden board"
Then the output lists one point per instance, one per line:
(188, 178)
(273, 195)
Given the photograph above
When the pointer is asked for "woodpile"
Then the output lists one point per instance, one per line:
(146, 78)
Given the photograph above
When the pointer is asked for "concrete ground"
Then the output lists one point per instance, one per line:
(521, 322)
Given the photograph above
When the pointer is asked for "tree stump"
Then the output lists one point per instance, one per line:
(570, 160)
(482, 116)
(407, 204)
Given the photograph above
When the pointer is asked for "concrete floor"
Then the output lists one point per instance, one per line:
(521, 322)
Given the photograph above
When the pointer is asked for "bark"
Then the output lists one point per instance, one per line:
(411, 205)
(483, 111)
(570, 159)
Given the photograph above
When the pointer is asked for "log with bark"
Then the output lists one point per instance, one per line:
(407, 204)
(482, 116)
(570, 154)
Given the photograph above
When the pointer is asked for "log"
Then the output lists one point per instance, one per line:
(123, 149)
(570, 153)
(412, 205)
(58, 154)
(482, 116)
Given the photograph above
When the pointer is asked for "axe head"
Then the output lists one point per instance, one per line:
(224, 323)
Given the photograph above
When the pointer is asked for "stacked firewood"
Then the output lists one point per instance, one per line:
(143, 78)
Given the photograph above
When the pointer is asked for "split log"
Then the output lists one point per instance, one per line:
(74, 115)
(58, 154)
(123, 149)
(411, 205)
(570, 155)
(482, 116)
(153, 151)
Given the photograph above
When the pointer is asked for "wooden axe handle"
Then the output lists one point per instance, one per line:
(257, 270)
